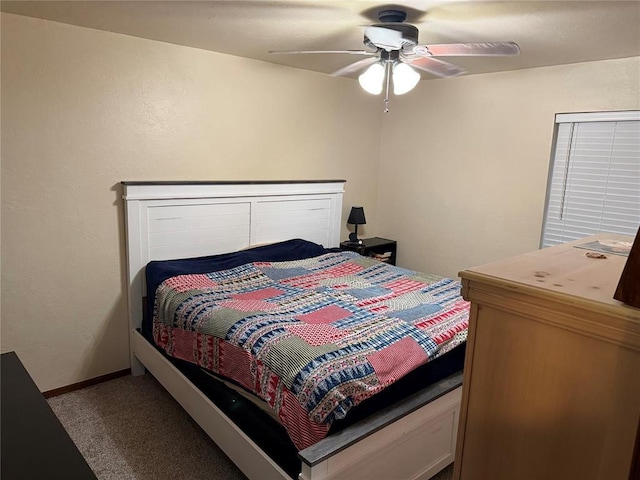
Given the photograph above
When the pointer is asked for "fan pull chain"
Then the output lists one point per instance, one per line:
(386, 92)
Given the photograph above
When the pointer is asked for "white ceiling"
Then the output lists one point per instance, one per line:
(548, 32)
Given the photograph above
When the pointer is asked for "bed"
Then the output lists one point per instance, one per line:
(264, 255)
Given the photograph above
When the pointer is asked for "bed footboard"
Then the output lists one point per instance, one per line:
(415, 447)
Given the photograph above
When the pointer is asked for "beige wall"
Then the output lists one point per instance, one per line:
(464, 162)
(83, 110)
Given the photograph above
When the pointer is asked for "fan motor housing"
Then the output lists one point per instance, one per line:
(409, 33)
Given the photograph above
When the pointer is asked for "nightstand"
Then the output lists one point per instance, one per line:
(378, 248)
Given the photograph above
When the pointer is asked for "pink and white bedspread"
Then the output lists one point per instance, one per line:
(312, 337)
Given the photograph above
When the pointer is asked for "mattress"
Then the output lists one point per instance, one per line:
(313, 333)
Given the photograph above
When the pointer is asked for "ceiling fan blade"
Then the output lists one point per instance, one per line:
(467, 49)
(354, 67)
(436, 67)
(295, 52)
(384, 37)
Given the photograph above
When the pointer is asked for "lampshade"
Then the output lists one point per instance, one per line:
(372, 79)
(356, 217)
(404, 78)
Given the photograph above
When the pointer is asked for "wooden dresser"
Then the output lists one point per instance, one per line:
(551, 387)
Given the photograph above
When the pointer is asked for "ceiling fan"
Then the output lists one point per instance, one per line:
(393, 54)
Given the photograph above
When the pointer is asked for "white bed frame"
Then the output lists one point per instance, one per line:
(166, 220)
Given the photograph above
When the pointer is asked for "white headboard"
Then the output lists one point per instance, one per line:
(168, 220)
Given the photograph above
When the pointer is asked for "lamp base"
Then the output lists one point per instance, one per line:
(353, 238)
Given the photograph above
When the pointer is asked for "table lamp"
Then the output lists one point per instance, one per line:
(356, 217)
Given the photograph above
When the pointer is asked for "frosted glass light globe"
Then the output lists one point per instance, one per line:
(405, 78)
(372, 79)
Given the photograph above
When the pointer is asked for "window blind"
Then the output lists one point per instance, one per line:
(594, 179)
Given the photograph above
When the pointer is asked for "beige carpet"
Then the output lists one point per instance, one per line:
(132, 429)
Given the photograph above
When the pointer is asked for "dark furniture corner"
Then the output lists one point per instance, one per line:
(628, 290)
(378, 248)
(34, 443)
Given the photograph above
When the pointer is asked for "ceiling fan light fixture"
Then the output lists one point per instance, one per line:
(372, 79)
(405, 78)
(394, 55)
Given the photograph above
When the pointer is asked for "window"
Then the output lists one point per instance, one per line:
(594, 179)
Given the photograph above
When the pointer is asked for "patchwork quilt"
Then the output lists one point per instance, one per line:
(313, 337)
